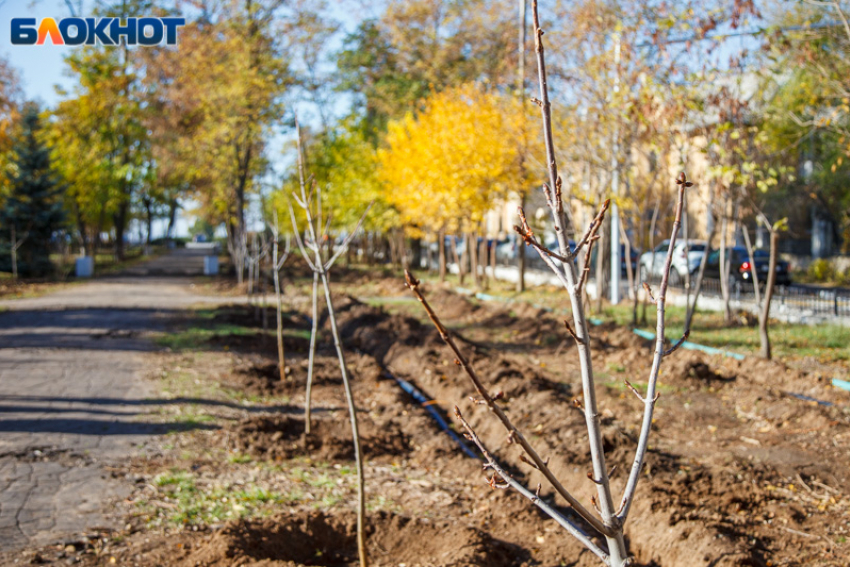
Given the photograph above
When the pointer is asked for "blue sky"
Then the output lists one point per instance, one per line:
(40, 67)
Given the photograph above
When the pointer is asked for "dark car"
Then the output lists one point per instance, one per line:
(635, 257)
(740, 270)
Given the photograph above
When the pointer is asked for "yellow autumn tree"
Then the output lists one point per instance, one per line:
(447, 166)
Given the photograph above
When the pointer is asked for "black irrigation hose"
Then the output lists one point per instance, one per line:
(435, 413)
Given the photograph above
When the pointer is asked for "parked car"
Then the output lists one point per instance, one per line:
(740, 270)
(506, 252)
(683, 263)
(635, 256)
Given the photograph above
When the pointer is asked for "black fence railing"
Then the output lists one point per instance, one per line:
(801, 298)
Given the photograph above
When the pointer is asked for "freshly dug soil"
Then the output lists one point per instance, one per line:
(739, 472)
(282, 437)
(317, 539)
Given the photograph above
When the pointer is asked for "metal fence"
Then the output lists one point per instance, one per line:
(802, 298)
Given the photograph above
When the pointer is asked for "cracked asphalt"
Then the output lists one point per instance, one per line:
(74, 400)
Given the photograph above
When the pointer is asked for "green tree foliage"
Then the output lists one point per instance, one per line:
(218, 97)
(344, 163)
(33, 210)
(416, 47)
(806, 121)
(100, 143)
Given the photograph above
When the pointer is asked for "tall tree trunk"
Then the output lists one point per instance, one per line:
(472, 246)
(523, 19)
(120, 220)
(482, 261)
(416, 252)
(14, 253)
(459, 261)
(239, 234)
(172, 218)
(441, 235)
(493, 259)
(148, 221)
(83, 230)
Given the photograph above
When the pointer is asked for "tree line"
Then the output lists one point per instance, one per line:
(423, 109)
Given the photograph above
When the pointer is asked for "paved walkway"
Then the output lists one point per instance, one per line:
(73, 398)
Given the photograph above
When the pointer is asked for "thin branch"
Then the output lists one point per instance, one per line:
(595, 224)
(673, 348)
(413, 284)
(528, 236)
(649, 291)
(650, 398)
(344, 246)
(533, 496)
(298, 240)
(636, 393)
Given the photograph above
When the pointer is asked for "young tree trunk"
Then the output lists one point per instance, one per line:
(281, 355)
(764, 320)
(264, 304)
(692, 307)
(630, 273)
(352, 413)
(520, 258)
(652, 224)
(763, 307)
(725, 267)
(312, 354)
(600, 268)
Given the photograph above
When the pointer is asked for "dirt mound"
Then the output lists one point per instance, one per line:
(374, 331)
(314, 538)
(449, 305)
(693, 367)
(281, 437)
(262, 377)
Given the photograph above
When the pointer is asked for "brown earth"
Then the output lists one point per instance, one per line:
(739, 472)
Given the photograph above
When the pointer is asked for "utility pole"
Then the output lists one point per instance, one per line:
(520, 284)
(615, 183)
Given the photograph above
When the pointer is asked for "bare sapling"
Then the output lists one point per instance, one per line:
(610, 521)
(763, 307)
(278, 260)
(16, 243)
(700, 276)
(316, 234)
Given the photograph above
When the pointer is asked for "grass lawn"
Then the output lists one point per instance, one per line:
(824, 342)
